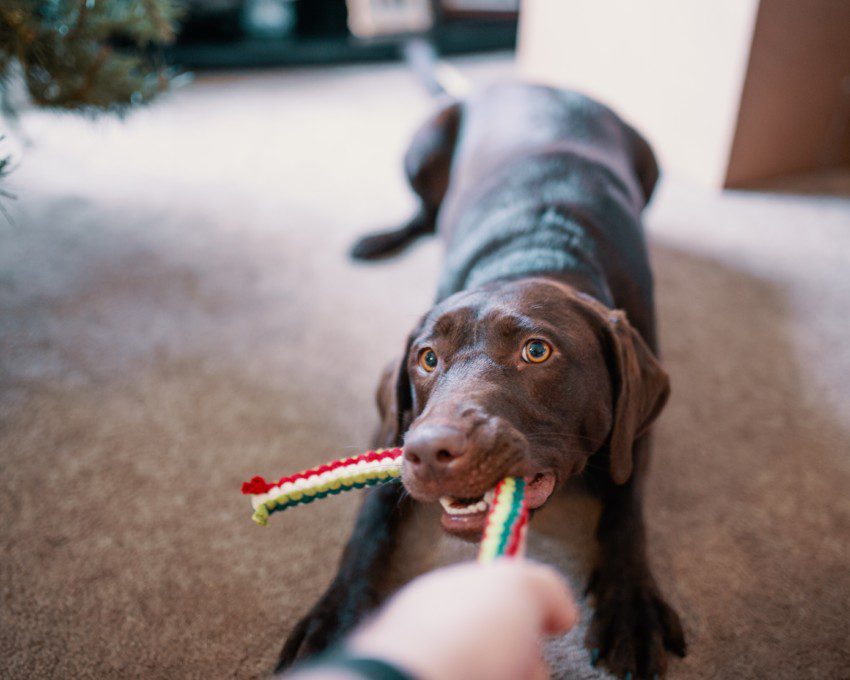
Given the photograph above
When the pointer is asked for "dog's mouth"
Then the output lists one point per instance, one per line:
(466, 517)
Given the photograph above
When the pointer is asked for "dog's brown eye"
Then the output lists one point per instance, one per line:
(536, 351)
(428, 359)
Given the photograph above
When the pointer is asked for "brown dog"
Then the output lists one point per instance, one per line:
(538, 359)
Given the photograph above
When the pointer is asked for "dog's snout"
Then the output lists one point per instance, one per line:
(434, 446)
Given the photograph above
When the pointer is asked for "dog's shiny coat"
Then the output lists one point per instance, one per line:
(537, 194)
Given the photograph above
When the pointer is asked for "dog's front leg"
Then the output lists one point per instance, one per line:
(355, 589)
(633, 625)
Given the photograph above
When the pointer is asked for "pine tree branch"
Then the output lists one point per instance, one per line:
(82, 13)
(74, 54)
(91, 74)
(164, 27)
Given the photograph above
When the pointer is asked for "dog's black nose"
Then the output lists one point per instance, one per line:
(434, 446)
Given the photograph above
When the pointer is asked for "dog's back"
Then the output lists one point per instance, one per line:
(546, 181)
(513, 120)
(522, 180)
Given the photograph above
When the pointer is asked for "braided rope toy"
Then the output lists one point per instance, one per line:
(507, 520)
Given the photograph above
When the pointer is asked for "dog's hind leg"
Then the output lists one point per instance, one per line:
(427, 164)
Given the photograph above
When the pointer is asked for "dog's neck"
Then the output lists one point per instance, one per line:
(548, 242)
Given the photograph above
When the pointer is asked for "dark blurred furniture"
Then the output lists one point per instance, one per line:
(252, 33)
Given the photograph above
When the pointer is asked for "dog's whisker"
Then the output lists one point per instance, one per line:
(558, 435)
(401, 497)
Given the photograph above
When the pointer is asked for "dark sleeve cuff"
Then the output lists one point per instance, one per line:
(365, 667)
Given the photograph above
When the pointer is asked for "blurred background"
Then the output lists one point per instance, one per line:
(180, 187)
(237, 33)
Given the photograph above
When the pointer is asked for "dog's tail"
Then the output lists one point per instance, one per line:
(386, 243)
(429, 155)
(438, 77)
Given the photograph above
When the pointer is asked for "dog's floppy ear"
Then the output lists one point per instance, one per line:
(385, 397)
(395, 400)
(640, 390)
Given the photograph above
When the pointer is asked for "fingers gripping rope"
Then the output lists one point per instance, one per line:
(504, 533)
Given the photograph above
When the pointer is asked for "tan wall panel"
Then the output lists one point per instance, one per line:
(795, 108)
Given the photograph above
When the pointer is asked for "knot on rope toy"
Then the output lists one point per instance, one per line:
(507, 519)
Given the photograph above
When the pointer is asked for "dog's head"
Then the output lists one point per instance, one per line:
(524, 378)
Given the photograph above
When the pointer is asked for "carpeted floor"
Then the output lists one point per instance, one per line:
(177, 314)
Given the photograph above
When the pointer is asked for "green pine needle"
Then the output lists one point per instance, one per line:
(87, 55)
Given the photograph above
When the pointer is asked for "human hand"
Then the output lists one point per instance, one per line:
(471, 621)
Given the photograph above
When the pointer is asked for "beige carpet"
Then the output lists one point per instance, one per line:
(177, 314)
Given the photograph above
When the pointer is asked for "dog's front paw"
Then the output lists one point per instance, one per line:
(633, 628)
(323, 626)
(311, 635)
(331, 618)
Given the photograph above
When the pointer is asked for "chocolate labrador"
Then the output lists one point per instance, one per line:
(538, 359)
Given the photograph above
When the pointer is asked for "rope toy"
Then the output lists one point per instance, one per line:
(504, 531)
